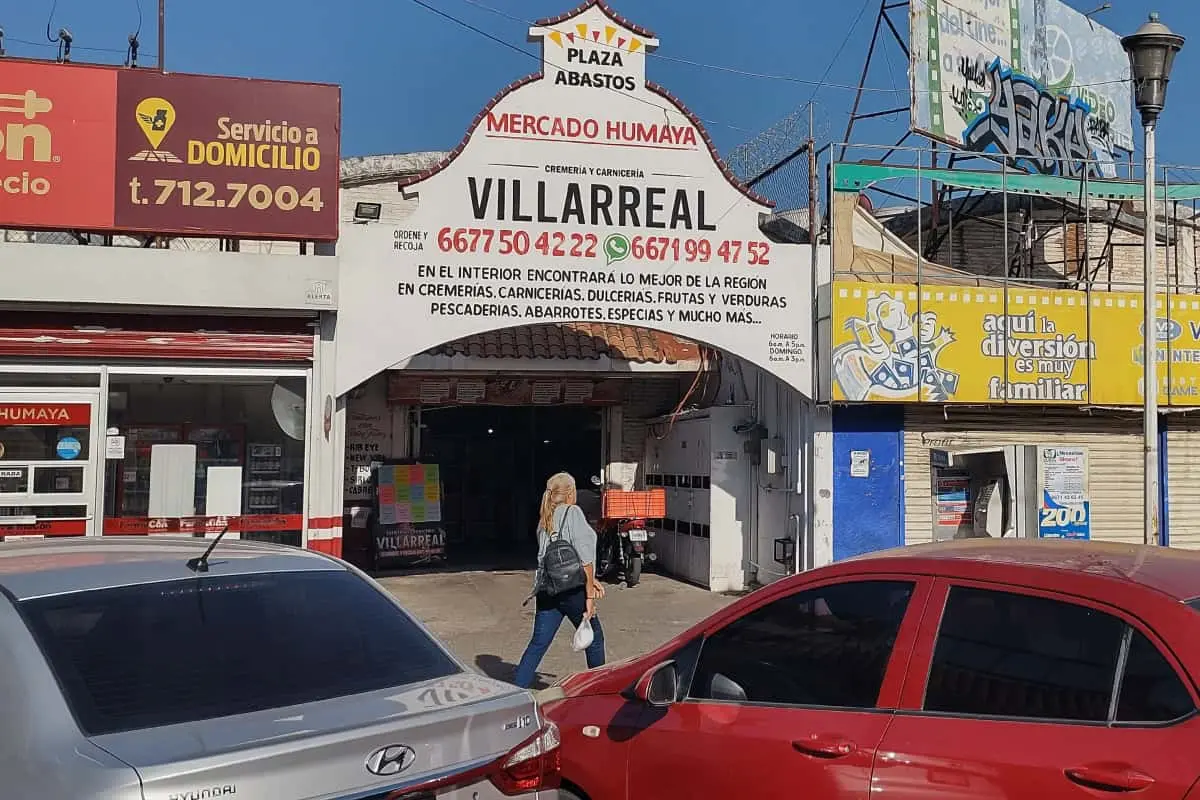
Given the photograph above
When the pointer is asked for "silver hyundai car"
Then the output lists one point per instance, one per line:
(182, 669)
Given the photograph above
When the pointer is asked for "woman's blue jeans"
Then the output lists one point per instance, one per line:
(546, 622)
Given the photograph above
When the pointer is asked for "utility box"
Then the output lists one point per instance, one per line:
(703, 466)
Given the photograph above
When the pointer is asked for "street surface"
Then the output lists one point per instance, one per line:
(479, 616)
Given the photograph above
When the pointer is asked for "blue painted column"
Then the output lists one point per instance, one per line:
(1164, 481)
(868, 488)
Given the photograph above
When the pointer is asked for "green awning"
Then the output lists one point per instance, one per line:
(849, 177)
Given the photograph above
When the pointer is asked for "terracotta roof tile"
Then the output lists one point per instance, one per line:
(575, 340)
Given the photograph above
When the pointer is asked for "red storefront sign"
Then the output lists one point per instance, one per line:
(229, 156)
(56, 154)
(99, 148)
(46, 414)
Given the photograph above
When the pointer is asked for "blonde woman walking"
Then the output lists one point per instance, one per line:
(561, 518)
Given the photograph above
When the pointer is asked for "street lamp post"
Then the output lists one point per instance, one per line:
(1151, 53)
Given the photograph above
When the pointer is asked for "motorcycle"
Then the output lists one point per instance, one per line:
(623, 539)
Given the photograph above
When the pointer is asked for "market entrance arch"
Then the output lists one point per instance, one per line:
(583, 197)
(581, 194)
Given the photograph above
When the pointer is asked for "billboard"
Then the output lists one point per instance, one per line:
(129, 150)
(583, 193)
(1034, 80)
(958, 344)
(58, 136)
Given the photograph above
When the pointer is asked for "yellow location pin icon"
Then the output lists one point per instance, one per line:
(155, 116)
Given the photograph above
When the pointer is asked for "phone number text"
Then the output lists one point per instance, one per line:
(558, 244)
(206, 194)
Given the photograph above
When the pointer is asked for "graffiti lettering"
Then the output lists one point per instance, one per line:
(1098, 129)
(974, 71)
(968, 104)
(1032, 127)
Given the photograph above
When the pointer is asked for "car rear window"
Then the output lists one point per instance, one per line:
(165, 653)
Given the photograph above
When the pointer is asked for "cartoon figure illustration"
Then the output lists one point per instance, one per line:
(894, 355)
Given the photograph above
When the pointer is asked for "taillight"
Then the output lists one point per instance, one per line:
(533, 766)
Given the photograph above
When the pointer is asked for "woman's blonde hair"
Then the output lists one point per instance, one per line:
(560, 488)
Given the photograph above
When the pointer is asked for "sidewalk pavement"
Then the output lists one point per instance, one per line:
(478, 614)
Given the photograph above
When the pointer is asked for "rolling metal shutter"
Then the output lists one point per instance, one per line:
(1113, 440)
(1183, 480)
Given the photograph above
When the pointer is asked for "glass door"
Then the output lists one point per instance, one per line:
(48, 455)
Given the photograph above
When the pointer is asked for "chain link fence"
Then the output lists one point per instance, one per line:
(775, 162)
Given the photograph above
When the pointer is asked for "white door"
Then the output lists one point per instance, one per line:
(51, 446)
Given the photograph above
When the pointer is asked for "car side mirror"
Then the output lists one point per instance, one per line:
(726, 689)
(658, 686)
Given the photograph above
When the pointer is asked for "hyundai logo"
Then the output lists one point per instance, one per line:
(391, 759)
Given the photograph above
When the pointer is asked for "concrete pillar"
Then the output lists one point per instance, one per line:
(327, 447)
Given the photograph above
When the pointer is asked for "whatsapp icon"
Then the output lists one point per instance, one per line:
(616, 248)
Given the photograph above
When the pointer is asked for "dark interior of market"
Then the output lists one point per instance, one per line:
(494, 463)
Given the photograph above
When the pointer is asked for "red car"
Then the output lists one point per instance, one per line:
(979, 669)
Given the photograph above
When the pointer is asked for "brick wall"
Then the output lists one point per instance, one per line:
(645, 398)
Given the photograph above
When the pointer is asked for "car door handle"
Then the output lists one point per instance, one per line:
(824, 746)
(1109, 777)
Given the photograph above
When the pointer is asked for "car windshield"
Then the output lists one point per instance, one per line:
(165, 653)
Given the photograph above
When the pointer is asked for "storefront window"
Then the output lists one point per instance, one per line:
(45, 463)
(192, 454)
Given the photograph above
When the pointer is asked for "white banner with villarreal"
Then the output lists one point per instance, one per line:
(582, 194)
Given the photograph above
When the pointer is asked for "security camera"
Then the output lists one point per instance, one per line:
(65, 35)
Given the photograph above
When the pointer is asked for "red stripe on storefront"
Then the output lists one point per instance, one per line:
(47, 527)
(325, 535)
(332, 547)
(73, 343)
(143, 526)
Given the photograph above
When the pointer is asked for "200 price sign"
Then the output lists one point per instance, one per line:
(207, 194)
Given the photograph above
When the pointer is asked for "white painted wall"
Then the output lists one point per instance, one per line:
(153, 278)
(794, 503)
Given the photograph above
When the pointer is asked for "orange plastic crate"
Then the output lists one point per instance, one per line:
(646, 504)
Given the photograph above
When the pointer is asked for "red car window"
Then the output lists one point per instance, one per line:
(1151, 691)
(1023, 656)
(828, 646)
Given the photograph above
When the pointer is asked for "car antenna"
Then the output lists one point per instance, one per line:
(200, 563)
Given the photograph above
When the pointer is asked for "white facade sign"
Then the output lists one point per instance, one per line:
(583, 194)
(114, 446)
(860, 463)
(368, 437)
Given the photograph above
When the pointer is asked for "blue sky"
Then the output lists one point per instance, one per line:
(413, 80)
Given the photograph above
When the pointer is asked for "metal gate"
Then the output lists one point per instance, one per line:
(1183, 480)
